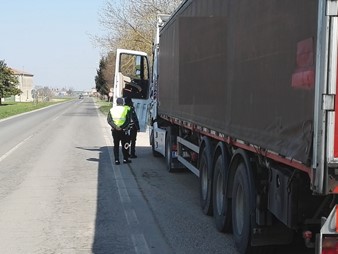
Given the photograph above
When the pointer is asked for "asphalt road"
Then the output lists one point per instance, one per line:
(60, 192)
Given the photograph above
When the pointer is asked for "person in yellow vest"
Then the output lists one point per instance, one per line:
(119, 118)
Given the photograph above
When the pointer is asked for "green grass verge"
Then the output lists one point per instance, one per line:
(104, 106)
(15, 108)
(8, 109)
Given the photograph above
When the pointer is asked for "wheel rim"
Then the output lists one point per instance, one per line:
(204, 180)
(239, 209)
(219, 192)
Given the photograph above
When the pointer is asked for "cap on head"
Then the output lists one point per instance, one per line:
(120, 101)
(128, 101)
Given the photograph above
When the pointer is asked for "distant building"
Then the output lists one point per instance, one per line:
(25, 85)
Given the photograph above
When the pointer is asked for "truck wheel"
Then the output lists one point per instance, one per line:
(168, 151)
(205, 167)
(241, 210)
(222, 204)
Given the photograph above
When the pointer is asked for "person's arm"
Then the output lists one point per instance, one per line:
(135, 119)
(129, 118)
(111, 122)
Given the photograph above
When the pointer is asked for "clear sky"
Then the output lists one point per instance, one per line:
(51, 40)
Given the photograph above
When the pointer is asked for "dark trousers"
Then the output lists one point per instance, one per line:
(133, 134)
(123, 137)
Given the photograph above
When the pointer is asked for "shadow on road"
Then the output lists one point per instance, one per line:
(107, 197)
(112, 233)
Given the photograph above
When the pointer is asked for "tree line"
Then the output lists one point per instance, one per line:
(129, 24)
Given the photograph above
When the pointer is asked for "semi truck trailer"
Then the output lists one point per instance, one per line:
(243, 94)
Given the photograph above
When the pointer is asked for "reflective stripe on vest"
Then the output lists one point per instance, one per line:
(119, 113)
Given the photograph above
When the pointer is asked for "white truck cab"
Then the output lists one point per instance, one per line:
(132, 80)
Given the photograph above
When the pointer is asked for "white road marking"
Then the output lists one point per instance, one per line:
(124, 196)
(56, 118)
(14, 148)
(140, 244)
(131, 217)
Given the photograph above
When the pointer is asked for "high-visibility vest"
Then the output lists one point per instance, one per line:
(119, 114)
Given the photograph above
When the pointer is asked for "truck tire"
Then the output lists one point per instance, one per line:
(241, 210)
(205, 175)
(222, 204)
(168, 150)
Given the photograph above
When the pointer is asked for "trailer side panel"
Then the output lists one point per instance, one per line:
(245, 69)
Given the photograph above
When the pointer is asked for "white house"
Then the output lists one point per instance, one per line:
(25, 85)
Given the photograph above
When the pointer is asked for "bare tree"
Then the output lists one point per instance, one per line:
(109, 69)
(131, 24)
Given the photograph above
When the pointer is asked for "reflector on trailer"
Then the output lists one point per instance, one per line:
(330, 245)
(329, 234)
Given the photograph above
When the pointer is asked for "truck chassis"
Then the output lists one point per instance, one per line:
(264, 199)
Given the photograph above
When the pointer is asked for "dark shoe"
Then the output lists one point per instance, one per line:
(117, 162)
(126, 161)
(133, 156)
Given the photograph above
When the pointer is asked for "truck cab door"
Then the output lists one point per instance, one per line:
(132, 80)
